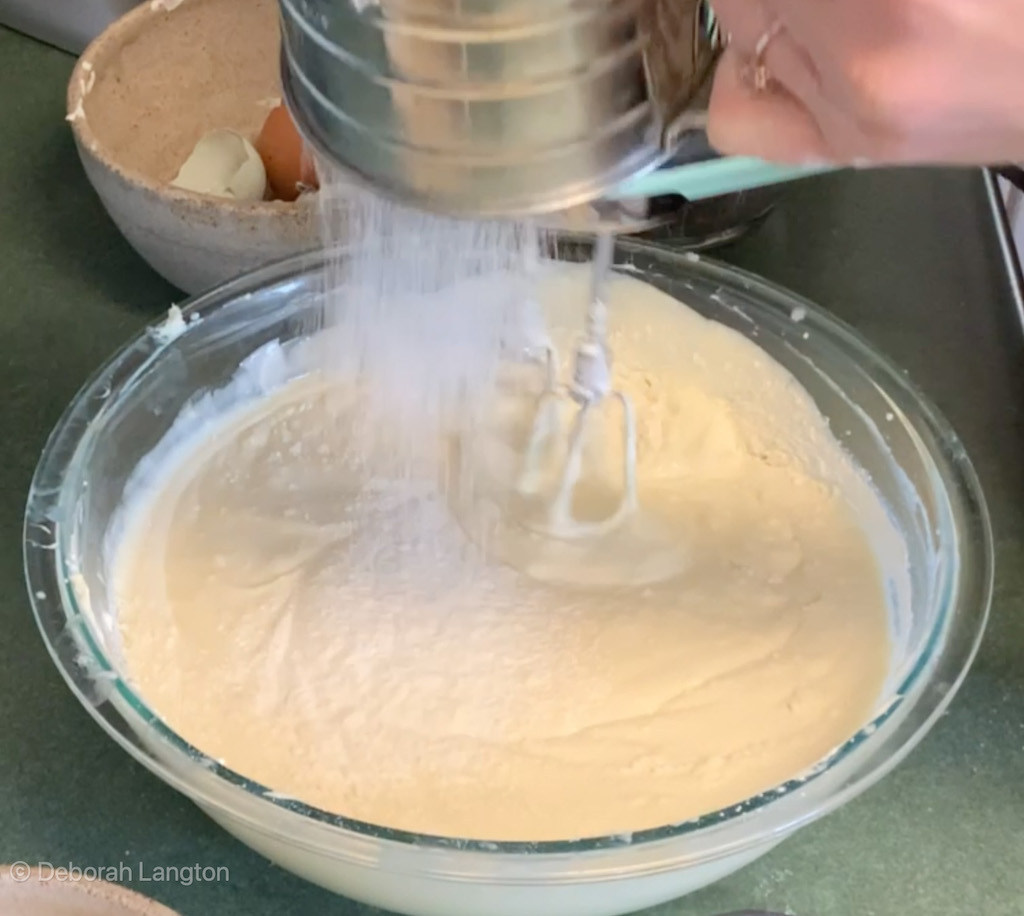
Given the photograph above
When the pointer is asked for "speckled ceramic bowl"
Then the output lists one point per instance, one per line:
(140, 97)
(914, 458)
(67, 890)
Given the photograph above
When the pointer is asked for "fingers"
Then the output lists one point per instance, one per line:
(744, 20)
(774, 123)
(869, 94)
(771, 125)
(753, 27)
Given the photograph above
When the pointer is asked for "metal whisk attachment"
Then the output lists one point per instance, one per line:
(590, 389)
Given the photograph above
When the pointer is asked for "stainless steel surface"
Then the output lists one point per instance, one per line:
(704, 224)
(68, 24)
(1007, 244)
(498, 107)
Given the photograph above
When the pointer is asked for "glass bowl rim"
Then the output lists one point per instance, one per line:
(42, 568)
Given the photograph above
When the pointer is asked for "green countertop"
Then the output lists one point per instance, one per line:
(912, 259)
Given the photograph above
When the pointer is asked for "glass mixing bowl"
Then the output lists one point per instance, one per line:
(914, 458)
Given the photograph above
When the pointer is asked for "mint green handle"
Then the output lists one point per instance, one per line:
(701, 180)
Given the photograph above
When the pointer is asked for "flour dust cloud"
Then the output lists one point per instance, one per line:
(422, 306)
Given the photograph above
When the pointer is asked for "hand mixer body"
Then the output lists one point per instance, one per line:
(494, 108)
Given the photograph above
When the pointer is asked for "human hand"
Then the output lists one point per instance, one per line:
(871, 81)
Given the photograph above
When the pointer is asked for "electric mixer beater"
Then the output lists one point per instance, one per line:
(587, 113)
(562, 509)
(590, 387)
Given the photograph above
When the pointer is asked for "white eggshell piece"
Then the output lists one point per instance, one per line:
(224, 164)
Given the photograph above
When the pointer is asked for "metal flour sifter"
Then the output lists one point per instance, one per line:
(494, 108)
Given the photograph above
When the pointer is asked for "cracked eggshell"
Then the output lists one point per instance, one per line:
(224, 164)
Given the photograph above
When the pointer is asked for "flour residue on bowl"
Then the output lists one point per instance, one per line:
(325, 627)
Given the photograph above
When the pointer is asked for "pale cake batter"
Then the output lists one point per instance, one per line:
(336, 637)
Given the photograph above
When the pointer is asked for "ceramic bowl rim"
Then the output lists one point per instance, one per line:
(20, 874)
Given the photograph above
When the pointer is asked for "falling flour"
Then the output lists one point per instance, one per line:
(415, 310)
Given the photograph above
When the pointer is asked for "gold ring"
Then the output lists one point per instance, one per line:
(759, 73)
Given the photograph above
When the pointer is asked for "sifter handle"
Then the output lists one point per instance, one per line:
(702, 180)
